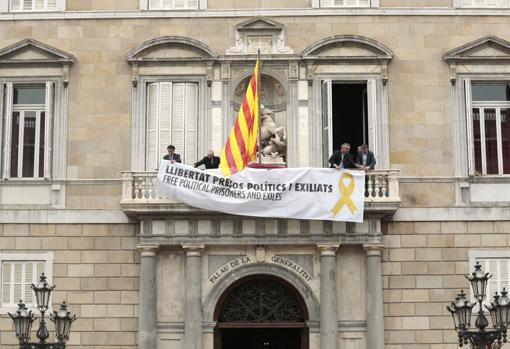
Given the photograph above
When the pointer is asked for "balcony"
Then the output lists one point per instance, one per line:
(139, 195)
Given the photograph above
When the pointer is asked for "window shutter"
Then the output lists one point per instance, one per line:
(167, 4)
(191, 123)
(39, 5)
(192, 4)
(6, 282)
(327, 145)
(27, 5)
(178, 110)
(52, 5)
(372, 116)
(154, 4)
(469, 123)
(48, 120)
(165, 117)
(15, 5)
(7, 124)
(152, 140)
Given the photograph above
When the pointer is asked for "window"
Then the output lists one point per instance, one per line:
(18, 272)
(27, 122)
(33, 5)
(173, 4)
(172, 118)
(496, 263)
(490, 119)
(485, 3)
(344, 3)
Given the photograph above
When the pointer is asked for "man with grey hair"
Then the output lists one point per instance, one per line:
(209, 161)
(342, 158)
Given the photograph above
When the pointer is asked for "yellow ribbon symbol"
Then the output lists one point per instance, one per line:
(346, 193)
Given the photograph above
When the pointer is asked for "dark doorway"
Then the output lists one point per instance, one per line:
(261, 312)
(349, 115)
(263, 338)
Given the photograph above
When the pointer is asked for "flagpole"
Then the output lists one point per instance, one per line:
(258, 106)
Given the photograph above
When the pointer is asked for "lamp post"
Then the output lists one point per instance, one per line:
(499, 309)
(23, 319)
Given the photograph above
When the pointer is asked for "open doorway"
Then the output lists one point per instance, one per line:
(345, 116)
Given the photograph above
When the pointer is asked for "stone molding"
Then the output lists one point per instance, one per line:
(212, 298)
(54, 55)
(373, 249)
(297, 12)
(147, 250)
(193, 250)
(328, 249)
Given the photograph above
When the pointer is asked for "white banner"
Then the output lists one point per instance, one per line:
(300, 193)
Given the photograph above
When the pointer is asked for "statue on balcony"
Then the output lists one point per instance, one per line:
(273, 138)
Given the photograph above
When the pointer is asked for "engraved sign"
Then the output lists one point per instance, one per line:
(228, 267)
(287, 263)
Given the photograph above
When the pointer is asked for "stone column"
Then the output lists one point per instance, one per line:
(147, 313)
(374, 294)
(193, 298)
(328, 318)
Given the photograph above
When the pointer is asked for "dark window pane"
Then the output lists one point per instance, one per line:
(476, 140)
(14, 144)
(491, 92)
(491, 141)
(41, 146)
(29, 144)
(505, 139)
(29, 94)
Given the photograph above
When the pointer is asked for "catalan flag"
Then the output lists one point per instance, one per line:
(241, 145)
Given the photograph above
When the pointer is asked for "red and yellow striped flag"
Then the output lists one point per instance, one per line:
(241, 145)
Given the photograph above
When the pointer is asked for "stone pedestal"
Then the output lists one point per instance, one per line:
(374, 294)
(147, 313)
(328, 316)
(193, 298)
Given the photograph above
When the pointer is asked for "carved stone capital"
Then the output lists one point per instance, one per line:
(193, 250)
(328, 249)
(373, 249)
(147, 250)
(225, 71)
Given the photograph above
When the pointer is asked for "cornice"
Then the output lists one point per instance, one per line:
(295, 12)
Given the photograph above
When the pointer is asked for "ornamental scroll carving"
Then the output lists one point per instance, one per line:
(261, 301)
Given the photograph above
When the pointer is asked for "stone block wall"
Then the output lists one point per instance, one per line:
(424, 264)
(95, 269)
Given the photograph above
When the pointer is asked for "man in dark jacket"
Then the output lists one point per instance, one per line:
(172, 155)
(366, 158)
(342, 158)
(209, 161)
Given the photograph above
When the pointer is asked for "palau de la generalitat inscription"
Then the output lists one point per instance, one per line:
(238, 262)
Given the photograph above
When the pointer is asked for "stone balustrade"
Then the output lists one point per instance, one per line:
(139, 193)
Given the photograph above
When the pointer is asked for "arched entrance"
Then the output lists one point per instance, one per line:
(261, 312)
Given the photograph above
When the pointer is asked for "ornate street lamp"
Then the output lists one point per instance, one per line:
(499, 309)
(24, 318)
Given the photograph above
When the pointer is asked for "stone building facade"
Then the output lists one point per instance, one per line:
(93, 91)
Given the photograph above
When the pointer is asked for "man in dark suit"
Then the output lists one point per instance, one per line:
(209, 161)
(366, 158)
(342, 158)
(172, 155)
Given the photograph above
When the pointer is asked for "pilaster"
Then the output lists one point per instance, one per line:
(193, 297)
(374, 294)
(328, 316)
(147, 298)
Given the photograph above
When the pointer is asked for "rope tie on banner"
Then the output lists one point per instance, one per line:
(346, 193)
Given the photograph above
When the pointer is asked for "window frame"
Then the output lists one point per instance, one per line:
(460, 4)
(46, 257)
(59, 7)
(319, 4)
(468, 106)
(475, 255)
(55, 126)
(144, 5)
(182, 151)
(138, 146)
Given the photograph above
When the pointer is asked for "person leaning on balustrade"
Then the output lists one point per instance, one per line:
(365, 159)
